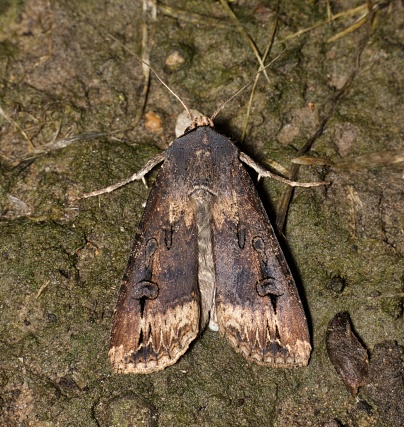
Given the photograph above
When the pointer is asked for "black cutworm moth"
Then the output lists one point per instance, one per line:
(205, 252)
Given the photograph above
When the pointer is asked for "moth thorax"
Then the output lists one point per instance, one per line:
(202, 199)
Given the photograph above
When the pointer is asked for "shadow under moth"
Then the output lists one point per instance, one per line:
(206, 253)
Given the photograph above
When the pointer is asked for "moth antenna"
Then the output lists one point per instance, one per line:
(246, 85)
(188, 110)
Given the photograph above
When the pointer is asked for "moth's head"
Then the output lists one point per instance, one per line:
(199, 121)
(186, 122)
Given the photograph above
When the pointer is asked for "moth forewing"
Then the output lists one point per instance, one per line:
(257, 304)
(205, 249)
(158, 309)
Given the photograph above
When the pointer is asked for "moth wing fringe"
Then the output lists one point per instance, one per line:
(160, 340)
(249, 334)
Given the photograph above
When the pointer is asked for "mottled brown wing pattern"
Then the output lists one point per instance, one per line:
(258, 307)
(157, 314)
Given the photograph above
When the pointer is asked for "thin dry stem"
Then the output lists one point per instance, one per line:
(346, 13)
(264, 57)
(240, 90)
(14, 123)
(250, 41)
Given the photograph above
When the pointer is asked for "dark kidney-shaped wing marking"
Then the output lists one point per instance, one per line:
(157, 314)
(258, 307)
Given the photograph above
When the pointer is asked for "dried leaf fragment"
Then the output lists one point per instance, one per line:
(348, 356)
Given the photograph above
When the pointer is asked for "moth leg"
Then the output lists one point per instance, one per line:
(136, 176)
(263, 172)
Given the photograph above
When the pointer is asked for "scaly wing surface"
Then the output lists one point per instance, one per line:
(257, 303)
(157, 314)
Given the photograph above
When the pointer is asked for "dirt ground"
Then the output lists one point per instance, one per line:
(72, 121)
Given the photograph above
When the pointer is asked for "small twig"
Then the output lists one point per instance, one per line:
(62, 143)
(193, 18)
(327, 21)
(232, 15)
(264, 57)
(362, 20)
(149, 15)
(326, 111)
(372, 9)
(218, 109)
(41, 289)
(366, 161)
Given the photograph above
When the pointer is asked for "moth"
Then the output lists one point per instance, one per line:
(205, 253)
